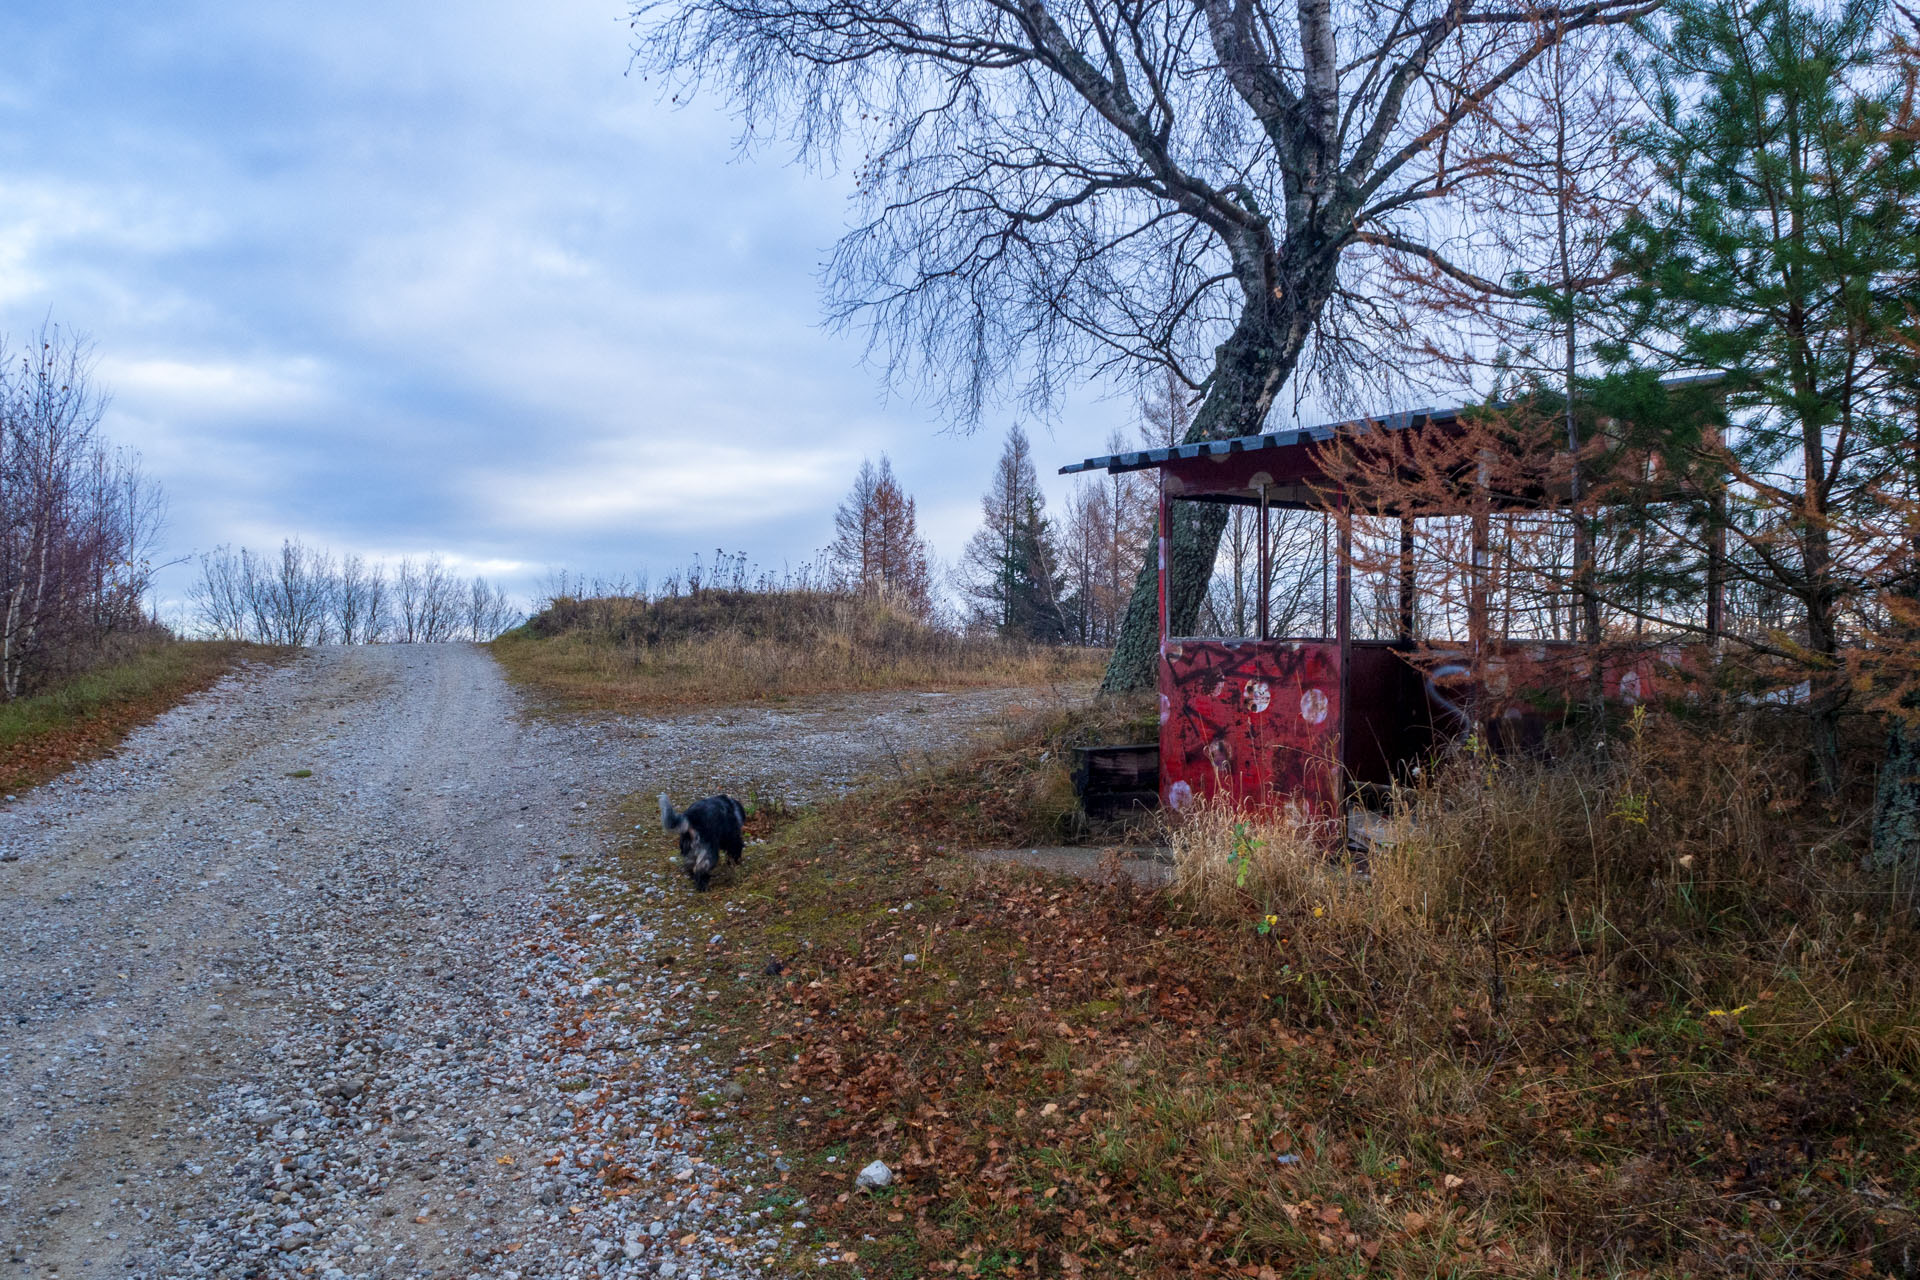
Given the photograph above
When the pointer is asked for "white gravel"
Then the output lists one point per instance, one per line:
(336, 1025)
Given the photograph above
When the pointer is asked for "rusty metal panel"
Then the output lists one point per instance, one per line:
(1253, 721)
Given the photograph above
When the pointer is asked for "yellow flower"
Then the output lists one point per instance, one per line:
(1318, 912)
(1272, 920)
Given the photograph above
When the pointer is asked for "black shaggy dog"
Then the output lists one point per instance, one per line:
(707, 829)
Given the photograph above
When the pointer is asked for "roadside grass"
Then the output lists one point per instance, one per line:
(88, 715)
(729, 647)
(1683, 1053)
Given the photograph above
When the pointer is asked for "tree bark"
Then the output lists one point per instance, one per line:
(1196, 528)
(1896, 807)
(1249, 369)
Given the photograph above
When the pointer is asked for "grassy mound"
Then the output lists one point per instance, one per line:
(618, 653)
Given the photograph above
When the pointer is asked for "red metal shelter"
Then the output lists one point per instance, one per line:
(1298, 722)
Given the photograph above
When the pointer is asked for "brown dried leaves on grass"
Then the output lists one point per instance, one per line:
(1074, 1078)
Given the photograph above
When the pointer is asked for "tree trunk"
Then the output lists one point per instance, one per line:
(1248, 371)
(1196, 529)
(1896, 807)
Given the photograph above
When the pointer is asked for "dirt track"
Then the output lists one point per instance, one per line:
(281, 978)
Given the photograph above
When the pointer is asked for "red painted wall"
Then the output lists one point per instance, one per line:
(1251, 720)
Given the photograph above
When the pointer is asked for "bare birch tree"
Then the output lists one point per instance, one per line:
(440, 599)
(1053, 189)
(409, 602)
(218, 597)
(355, 599)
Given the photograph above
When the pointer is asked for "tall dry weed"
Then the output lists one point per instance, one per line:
(1682, 865)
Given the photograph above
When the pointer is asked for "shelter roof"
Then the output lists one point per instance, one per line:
(1285, 468)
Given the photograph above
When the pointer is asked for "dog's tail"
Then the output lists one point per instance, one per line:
(674, 823)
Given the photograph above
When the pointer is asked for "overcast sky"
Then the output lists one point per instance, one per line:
(412, 278)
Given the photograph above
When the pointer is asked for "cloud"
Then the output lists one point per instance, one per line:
(399, 279)
(219, 389)
(684, 486)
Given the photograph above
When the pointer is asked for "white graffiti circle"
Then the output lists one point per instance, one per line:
(1257, 696)
(1178, 795)
(1630, 687)
(1313, 706)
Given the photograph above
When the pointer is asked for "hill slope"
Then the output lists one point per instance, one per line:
(716, 647)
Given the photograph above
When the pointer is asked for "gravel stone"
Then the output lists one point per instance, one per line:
(261, 1026)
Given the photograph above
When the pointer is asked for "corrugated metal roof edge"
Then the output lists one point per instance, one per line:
(1142, 458)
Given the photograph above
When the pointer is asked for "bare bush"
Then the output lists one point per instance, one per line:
(305, 597)
(78, 519)
(489, 611)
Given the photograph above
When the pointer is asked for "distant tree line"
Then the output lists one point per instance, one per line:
(78, 519)
(1025, 575)
(303, 596)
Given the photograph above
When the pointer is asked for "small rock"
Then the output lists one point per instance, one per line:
(874, 1176)
(732, 1091)
(909, 958)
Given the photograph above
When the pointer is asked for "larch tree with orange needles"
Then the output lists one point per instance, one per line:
(877, 549)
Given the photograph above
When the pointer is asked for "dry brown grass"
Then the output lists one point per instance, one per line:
(723, 647)
(1683, 864)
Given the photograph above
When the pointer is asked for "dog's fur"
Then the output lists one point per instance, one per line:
(707, 829)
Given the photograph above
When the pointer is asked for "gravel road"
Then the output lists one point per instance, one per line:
(301, 981)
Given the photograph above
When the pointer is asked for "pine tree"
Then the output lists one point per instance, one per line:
(1010, 568)
(1770, 257)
